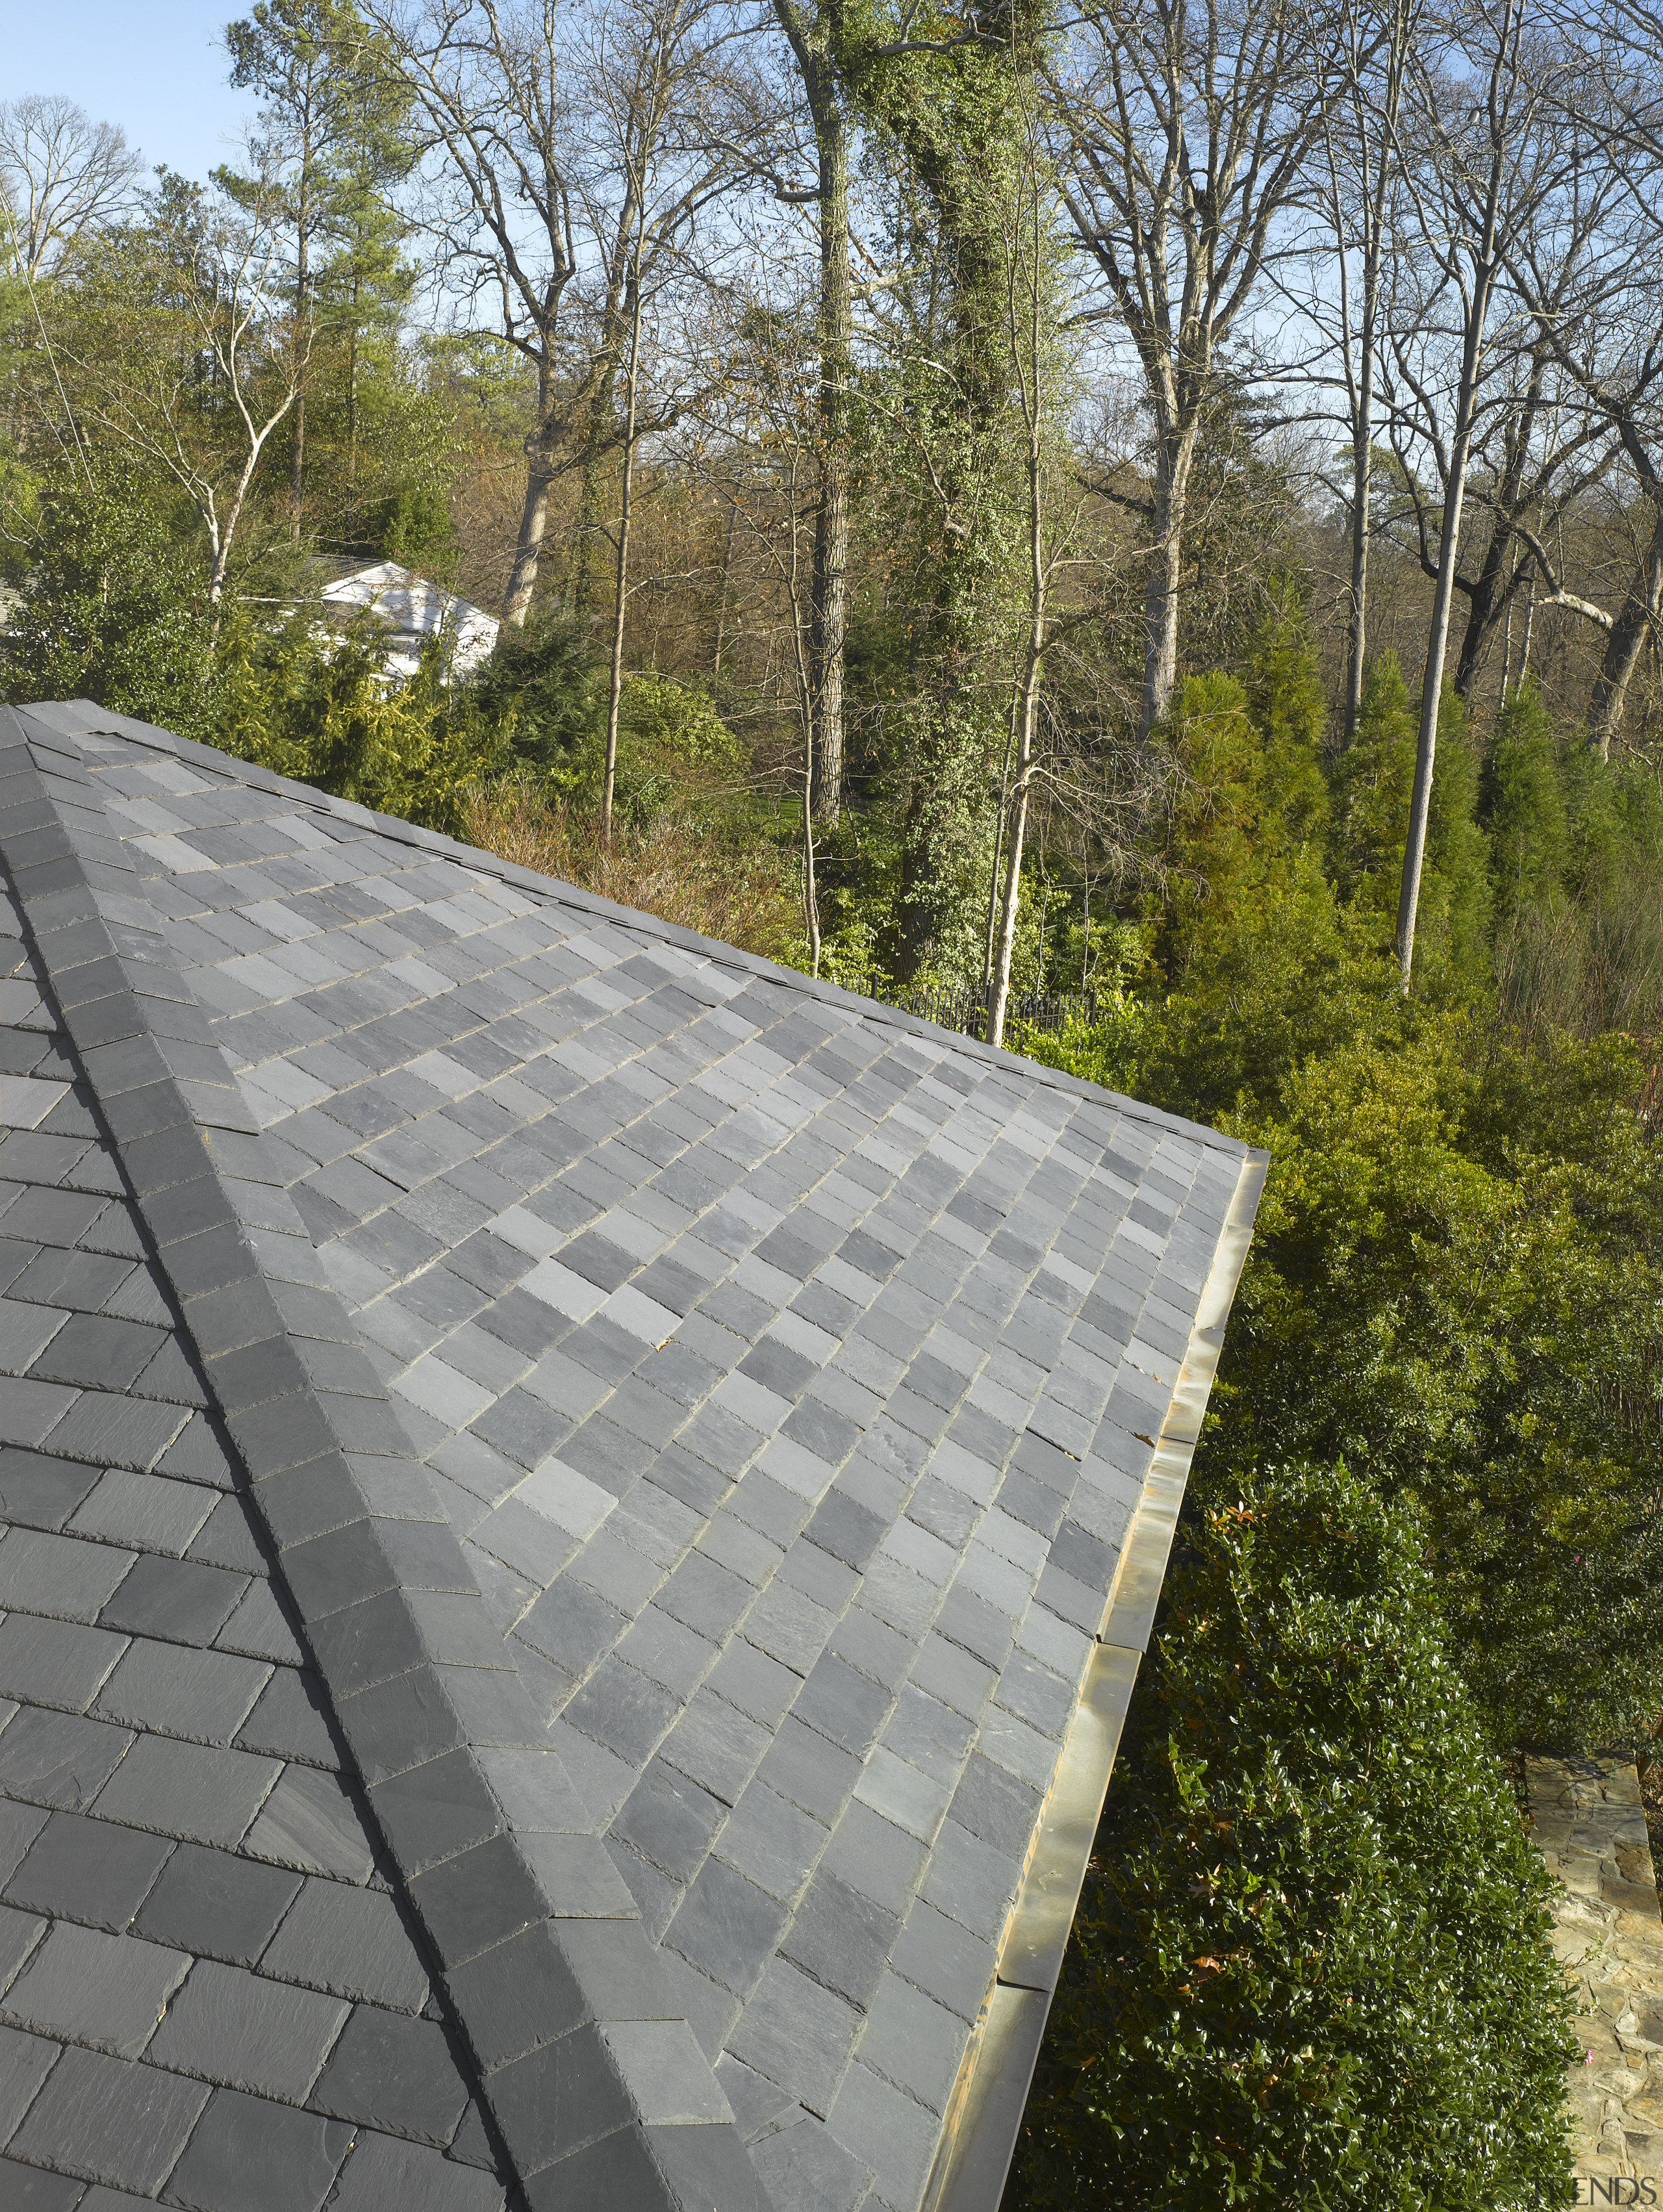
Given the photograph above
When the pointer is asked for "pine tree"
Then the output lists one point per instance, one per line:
(1523, 807)
(1372, 783)
(1455, 894)
(1284, 697)
(333, 140)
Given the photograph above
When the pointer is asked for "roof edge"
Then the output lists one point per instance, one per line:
(95, 718)
(984, 2114)
(527, 1916)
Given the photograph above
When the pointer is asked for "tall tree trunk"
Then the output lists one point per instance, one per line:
(1485, 263)
(1490, 594)
(816, 42)
(1174, 455)
(615, 676)
(1027, 706)
(1635, 622)
(1362, 426)
(829, 624)
(1420, 803)
(1438, 643)
(302, 277)
(297, 465)
(352, 388)
(1025, 703)
(1363, 460)
(584, 572)
(721, 599)
(540, 473)
(1487, 598)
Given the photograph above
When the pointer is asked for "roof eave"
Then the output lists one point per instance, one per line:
(986, 2113)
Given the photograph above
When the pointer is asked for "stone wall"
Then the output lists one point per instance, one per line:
(1591, 1830)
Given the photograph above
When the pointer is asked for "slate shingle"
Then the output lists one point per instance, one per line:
(90, 1987)
(91, 1870)
(249, 2154)
(217, 1905)
(394, 2073)
(106, 2119)
(351, 1942)
(239, 2029)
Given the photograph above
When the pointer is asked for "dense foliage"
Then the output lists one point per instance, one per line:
(1308, 1966)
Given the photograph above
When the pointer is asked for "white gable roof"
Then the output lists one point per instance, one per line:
(414, 607)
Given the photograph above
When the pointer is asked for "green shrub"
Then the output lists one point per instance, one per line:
(1453, 1286)
(547, 675)
(1311, 1964)
(1523, 807)
(335, 718)
(113, 610)
(413, 524)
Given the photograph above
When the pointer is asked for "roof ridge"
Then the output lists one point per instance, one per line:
(83, 717)
(586, 2060)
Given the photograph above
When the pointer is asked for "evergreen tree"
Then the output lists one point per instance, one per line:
(1523, 807)
(1309, 1965)
(1214, 784)
(334, 137)
(1455, 894)
(1372, 783)
(1284, 697)
(113, 609)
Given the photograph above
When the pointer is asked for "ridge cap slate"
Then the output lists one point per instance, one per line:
(226, 766)
(537, 1936)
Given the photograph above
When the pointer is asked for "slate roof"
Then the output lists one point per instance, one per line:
(579, 1512)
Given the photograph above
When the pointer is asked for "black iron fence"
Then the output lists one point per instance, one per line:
(968, 1011)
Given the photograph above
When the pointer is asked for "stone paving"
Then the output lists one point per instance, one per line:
(1591, 1830)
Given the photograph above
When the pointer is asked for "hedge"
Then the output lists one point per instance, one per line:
(1311, 1964)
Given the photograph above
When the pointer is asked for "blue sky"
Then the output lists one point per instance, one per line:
(154, 66)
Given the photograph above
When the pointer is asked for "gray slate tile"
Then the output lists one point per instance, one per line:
(54, 1662)
(184, 1790)
(351, 1942)
(217, 1905)
(110, 2120)
(106, 1990)
(394, 2073)
(249, 2154)
(238, 2029)
(25, 2062)
(181, 1692)
(78, 1868)
(384, 2174)
(311, 1821)
(59, 1575)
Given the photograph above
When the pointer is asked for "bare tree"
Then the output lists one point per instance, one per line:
(817, 36)
(525, 213)
(1354, 182)
(62, 175)
(1184, 129)
(198, 365)
(1533, 460)
(1033, 345)
(1480, 167)
(661, 92)
(1606, 338)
